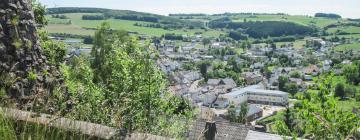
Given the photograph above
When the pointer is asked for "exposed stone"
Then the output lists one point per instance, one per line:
(21, 54)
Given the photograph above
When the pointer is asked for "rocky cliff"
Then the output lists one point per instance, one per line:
(25, 75)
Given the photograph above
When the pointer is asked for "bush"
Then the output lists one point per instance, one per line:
(357, 97)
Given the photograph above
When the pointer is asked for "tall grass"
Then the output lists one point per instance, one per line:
(18, 130)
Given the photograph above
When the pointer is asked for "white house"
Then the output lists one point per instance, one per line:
(255, 94)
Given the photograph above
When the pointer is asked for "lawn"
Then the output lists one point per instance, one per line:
(69, 29)
(304, 20)
(344, 47)
(348, 105)
(347, 29)
(298, 44)
(77, 27)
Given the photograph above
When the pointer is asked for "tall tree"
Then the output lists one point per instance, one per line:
(282, 82)
(103, 40)
(244, 109)
(340, 90)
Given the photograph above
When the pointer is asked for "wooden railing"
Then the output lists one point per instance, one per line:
(81, 127)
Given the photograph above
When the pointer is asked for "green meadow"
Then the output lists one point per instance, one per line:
(78, 26)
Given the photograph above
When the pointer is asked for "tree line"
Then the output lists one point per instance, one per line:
(327, 15)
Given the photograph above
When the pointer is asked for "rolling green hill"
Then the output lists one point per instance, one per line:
(80, 26)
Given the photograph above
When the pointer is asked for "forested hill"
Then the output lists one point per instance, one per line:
(123, 14)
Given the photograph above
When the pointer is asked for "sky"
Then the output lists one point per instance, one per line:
(346, 8)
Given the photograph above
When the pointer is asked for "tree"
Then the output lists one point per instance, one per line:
(282, 82)
(292, 88)
(205, 41)
(39, 13)
(352, 73)
(103, 40)
(232, 113)
(288, 119)
(273, 46)
(243, 113)
(320, 118)
(295, 74)
(340, 90)
(203, 69)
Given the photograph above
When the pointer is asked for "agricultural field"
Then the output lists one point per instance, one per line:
(344, 47)
(347, 29)
(298, 44)
(78, 26)
(304, 20)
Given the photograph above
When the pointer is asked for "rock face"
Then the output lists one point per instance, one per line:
(24, 73)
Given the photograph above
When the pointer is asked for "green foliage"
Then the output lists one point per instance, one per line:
(340, 90)
(32, 76)
(39, 13)
(203, 66)
(241, 116)
(6, 129)
(352, 73)
(122, 87)
(357, 97)
(292, 88)
(282, 82)
(295, 74)
(54, 51)
(319, 117)
(103, 40)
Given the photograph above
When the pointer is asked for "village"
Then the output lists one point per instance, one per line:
(214, 75)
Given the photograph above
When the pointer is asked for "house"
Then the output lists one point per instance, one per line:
(297, 81)
(218, 45)
(224, 130)
(213, 82)
(346, 62)
(311, 70)
(228, 83)
(326, 66)
(257, 65)
(251, 77)
(254, 113)
(209, 99)
(307, 77)
(256, 94)
(221, 103)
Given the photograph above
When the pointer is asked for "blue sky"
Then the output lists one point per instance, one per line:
(346, 8)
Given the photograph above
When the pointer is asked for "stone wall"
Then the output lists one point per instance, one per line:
(24, 73)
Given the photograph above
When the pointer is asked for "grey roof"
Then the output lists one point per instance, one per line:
(225, 130)
(243, 90)
(253, 135)
(229, 82)
(253, 109)
(267, 92)
(213, 81)
(255, 89)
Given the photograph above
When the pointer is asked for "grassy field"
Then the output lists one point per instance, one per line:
(348, 105)
(298, 44)
(77, 27)
(354, 46)
(304, 20)
(347, 29)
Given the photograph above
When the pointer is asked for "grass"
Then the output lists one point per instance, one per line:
(347, 29)
(344, 47)
(17, 130)
(298, 44)
(303, 20)
(348, 105)
(69, 29)
(77, 27)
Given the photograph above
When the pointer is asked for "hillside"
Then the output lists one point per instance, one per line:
(135, 22)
